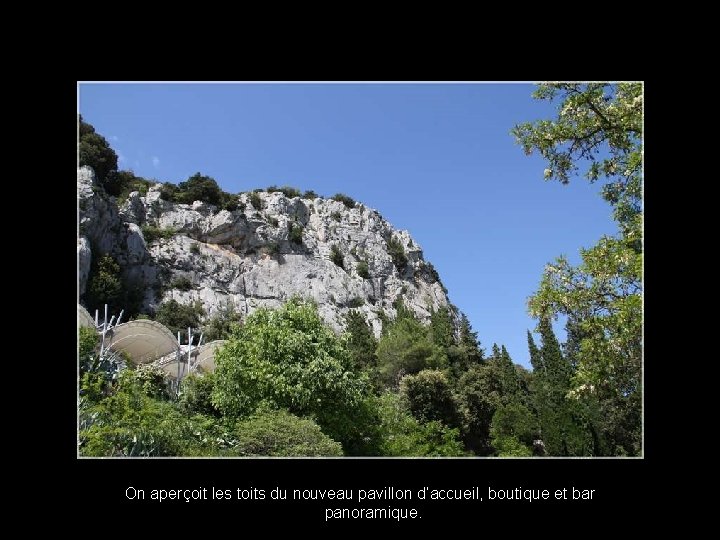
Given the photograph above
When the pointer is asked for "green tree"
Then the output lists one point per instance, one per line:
(599, 125)
(95, 152)
(481, 391)
(179, 317)
(429, 397)
(199, 188)
(220, 325)
(406, 348)
(104, 285)
(560, 431)
(361, 342)
(404, 435)
(289, 358)
(513, 430)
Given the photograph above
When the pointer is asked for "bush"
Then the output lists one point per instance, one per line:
(349, 202)
(194, 248)
(397, 253)
(356, 302)
(310, 194)
(336, 256)
(95, 152)
(362, 270)
(295, 233)
(121, 183)
(288, 191)
(199, 188)
(182, 283)
(229, 202)
(272, 221)
(279, 433)
(104, 285)
(336, 216)
(178, 317)
(195, 393)
(168, 191)
(256, 201)
(271, 248)
(152, 233)
(220, 325)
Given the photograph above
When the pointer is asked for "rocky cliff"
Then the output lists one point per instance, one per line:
(257, 257)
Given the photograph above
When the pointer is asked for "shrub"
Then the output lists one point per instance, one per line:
(349, 202)
(221, 325)
(310, 194)
(168, 191)
(279, 433)
(336, 255)
(199, 188)
(178, 317)
(182, 283)
(229, 202)
(356, 302)
(336, 216)
(288, 191)
(122, 183)
(397, 253)
(104, 285)
(152, 233)
(195, 393)
(272, 221)
(95, 152)
(194, 248)
(256, 201)
(295, 233)
(271, 248)
(362, 270)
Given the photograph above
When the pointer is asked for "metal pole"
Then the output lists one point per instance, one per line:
(177, 356)
(102, 345)
(189, 350)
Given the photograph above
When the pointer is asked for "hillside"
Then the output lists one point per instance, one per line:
(341, 254)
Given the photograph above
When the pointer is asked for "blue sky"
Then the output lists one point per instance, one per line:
(435, 159)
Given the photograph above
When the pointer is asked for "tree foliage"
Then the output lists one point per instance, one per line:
(407, 348)
(279, 433)
(361, 342)
(429, 397)
(404, 435)
(289, 358)
(94, 151)
(179, 317)
(599, 125)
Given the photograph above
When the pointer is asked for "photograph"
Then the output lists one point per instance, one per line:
(360, 269)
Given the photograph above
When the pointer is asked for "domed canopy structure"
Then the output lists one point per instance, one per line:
(84, 318)
(143, 341)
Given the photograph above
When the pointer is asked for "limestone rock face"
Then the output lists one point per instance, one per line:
(257, 257)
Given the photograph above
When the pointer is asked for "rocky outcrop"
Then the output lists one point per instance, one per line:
(258, 257)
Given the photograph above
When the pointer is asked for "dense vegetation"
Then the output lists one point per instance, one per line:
(286, 384)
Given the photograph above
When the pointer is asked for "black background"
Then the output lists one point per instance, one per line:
(98, 485)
